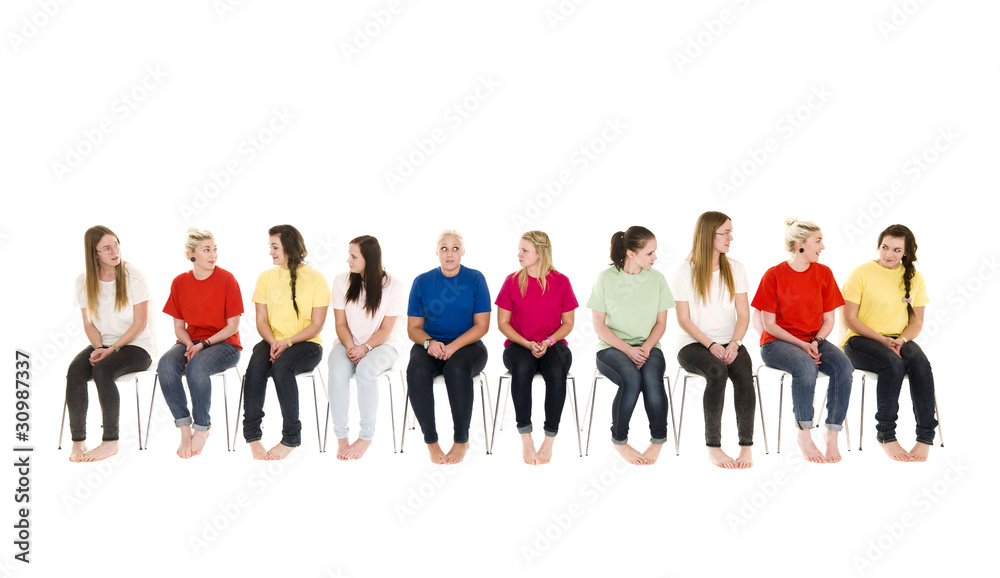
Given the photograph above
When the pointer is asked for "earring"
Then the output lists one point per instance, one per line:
(802, 250)
(192, 259)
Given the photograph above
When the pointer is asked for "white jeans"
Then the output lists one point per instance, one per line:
(375, 362)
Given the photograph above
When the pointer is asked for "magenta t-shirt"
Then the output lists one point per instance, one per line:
(536, 315)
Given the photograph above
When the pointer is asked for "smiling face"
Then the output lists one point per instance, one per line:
(450, 253)
(646, 256)
(812, 246)
(527, 256)
(355, 260)
(277, 252)
(206, 253)
(723, 237)
(891, 251)
(109, 253)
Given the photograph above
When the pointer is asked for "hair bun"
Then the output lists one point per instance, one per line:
(193, 231)
(790, 221)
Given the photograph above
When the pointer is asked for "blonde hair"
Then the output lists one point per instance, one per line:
(543, 246)
(91, 238)
(797, 232)
(702, 250)
(449, 233)
(195, 236)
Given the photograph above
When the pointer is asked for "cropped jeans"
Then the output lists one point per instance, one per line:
(130, 359)
(297, 359)
(787, 357)
(554, 367)
(870, 355)
(199, 371)
(631, 381)
(365, 374)
(458, 372)
(695, 358)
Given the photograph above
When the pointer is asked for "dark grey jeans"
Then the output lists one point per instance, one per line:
(695, 358)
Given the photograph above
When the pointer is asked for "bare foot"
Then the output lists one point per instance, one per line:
(357, 449)
(457, 453)
(920, 452)
(832, 452)
(745, 459)
(76, 454)
(257, 450)
(184, 450)
(895, 451)
(809, 450)
(342, 446)
(720, 458)
(101, 452)
(652, 453)
(279, 452)
(545, 450)
(198, 439)
(630, 454)
(437, 454)
(528, 451)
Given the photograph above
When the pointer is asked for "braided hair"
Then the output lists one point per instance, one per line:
(909, 257)
(295, 251)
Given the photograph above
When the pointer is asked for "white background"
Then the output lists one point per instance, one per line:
(695, 89)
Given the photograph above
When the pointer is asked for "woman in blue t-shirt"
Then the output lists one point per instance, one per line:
(449, 312)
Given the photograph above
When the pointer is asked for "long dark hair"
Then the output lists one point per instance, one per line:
(634, 239)
(373, 277)
(909, 257)
(295, 251)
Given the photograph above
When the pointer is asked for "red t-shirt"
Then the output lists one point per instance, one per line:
(205, 305)
(798, 300)
(536, 315)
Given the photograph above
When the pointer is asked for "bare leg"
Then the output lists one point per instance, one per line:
(101, 452)
(279, 452)
(832, 452)
(809, 450)
(528, 451)
(357, 449)
(652, 453)
(457, 453)
(198, 439)
(79, 448)
(896, 451)
(184, 450)
(342, 446)
(630, 454)
(920, 452)
(437, 454)
(257, 450)
(720, 458)
(745, 459)
(545, 450)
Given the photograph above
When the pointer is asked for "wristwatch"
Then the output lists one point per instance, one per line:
(205, 343)
(427, 343)
(738, 342)
(819, 340)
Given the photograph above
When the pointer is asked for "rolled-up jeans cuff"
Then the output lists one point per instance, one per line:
(619, 442)
(549, 433)
(658, 441)
(835, 426)
(183, 421)
(197, 427)
(525, 429)
(804, 424)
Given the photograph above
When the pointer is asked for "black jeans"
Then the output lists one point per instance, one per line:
(297, 359)
(458, 372)
(130, 359)
(695, 358)
(554, 366)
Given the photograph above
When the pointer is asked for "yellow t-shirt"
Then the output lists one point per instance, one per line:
(274, 289)
(879, 294)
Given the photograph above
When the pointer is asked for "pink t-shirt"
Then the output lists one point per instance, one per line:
(536, 315)
(359, 322)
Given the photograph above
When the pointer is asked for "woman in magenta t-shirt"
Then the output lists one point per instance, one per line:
(797, 299)
(535, 310)
(206, 305)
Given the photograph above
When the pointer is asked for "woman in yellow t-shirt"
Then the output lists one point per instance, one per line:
(884, 310)
(291, 303)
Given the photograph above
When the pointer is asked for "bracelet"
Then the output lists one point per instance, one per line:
(205, 343)
(713, 343)
(289, 342)
(552, 342)
(368, 346)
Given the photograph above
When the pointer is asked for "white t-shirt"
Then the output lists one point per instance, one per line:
(113, 324)
(716, 317)
(362, 325)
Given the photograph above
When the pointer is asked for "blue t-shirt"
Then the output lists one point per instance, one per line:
(447, 304)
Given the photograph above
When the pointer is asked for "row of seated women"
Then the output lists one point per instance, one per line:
(448, 313)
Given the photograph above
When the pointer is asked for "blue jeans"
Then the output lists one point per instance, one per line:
(199, 370)
(787, 357)
(365, 373)
(870, 355)
(297, 359)
(618, 368)
(554, 367)
(458, 372)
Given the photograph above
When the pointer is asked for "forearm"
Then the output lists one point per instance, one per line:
(344, 335)
(133, 331)
(474, 334)
(825, 328)
(514, 336)
(654, 336)
(183, 336)
(93, 336)
(912, 330)
(778, 332)
(264, 330)
(307, 333)
(379, 337)
(226, 332)
(740, 331)
(695, 333)
(562, 332)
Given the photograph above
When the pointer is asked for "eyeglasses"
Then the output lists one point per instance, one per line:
(110, 249)
(727, 234)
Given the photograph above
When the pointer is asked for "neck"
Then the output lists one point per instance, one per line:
(106, 273)
(798, 263)
(451, 273)
(201, 273)
(631, 267)
(533, 270)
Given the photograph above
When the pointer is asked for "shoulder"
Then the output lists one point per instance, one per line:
(472, 272)
(222, 273)
(656, 274)
(686, 265)
(133, 272)
(823, 271)
(736, 266)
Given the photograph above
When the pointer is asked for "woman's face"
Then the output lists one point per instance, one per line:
(109, 253)
(891, 251)
(646, 256)
(450, 253)
(205, 255)
(527, 256)
(724, 236)
(277, 252)
(354, 259)
(813, 246)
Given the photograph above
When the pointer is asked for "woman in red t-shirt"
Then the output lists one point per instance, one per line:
(797, 299)
(206, 306)
(535, 311)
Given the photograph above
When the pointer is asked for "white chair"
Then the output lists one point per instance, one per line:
(225, 399)
(767, 369)
(593, 401)
(387, 374)
(311, 374)
(682, 377)
(484, 393)
(866, 375)
(506, 375)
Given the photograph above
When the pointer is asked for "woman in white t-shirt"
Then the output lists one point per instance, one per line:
(113, 297)
(366, 302)
(712, 307)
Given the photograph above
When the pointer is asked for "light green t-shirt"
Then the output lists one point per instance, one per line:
(630, 303)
